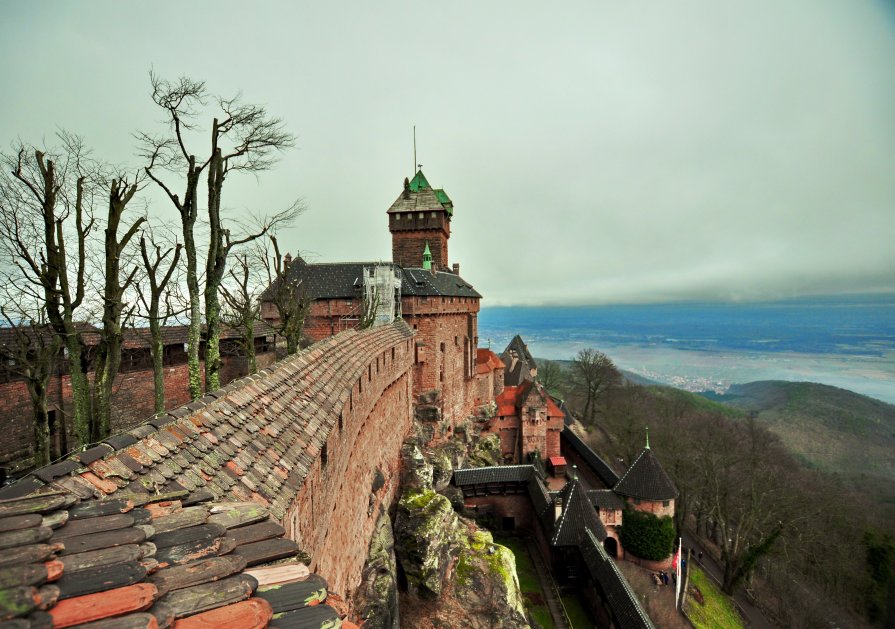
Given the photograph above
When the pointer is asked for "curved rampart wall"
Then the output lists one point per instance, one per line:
(305, 438)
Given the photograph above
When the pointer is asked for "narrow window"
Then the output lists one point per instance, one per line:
(323, 456)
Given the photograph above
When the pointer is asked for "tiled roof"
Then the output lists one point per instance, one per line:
(506, 402)
(486, 360)
(577, 515)
(255, 439)
(172, 517)
(67, 559)
(493, 474)
(598, 465)
(646, 479)
(626, 609)
(344, 280)
(605, 499)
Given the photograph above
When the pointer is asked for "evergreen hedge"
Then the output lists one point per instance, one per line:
(646, 535)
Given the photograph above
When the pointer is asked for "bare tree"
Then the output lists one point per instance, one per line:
(108, 353)
(242, 306)
(48, 221)
(244, 138)
(158, 274)
(31, 352)
(593, 374)
(551, 376)
(48, 202)
(286, 294)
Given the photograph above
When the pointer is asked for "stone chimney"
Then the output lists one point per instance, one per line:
(457, 269)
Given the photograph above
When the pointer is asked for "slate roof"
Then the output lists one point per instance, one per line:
(577, 515)
(344, 280)
(67, 558)
(493, 474)
(626, 609)
(605, 499)
(598, 465)
(646, 480)
(420, 196)
(541, 499)
(519, 362)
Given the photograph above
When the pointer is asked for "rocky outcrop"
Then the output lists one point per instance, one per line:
(486, 583)
(456, 575)
(376, 599)
(425, 528)
(485, 451)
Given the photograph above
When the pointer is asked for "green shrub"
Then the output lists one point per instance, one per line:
(646, 535)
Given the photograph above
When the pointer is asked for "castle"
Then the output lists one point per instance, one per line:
(313, 443)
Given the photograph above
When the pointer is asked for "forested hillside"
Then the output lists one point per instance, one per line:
(811, 548)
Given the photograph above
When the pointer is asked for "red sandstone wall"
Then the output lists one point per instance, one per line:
(655, 508)
(334, 513)
(408, 244)
(132, 404)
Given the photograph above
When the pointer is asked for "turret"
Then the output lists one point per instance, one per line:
(420, 218)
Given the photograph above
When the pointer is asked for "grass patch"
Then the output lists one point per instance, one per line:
(718, 611)
(529, 583)
(578, 615)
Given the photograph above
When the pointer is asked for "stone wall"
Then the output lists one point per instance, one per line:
(132, 404)
(335, 511)
(657, 508)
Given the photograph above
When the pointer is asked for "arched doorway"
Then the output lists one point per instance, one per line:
(611, 546)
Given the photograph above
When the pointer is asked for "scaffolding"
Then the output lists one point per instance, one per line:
(382, 292)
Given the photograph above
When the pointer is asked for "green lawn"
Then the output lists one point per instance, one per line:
(718, 611)
(578, 616)
(528, 581)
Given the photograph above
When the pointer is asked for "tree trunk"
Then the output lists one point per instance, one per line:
(249, 339)
(42, 450)
(291, 344)
(80, 393)
(216, 264)
(212, 340)
(157, 350)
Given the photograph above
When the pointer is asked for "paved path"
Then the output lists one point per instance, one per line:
(753, 616)
(551, 594)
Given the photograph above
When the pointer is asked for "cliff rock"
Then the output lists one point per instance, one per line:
(456, 575)
(376, 599)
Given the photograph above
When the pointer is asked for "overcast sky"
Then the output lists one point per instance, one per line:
(595, 151)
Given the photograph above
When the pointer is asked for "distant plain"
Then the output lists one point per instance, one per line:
(846, 342)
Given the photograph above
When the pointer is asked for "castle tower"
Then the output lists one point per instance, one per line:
(419, 219)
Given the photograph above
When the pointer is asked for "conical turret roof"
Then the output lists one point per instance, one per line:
(646, 479)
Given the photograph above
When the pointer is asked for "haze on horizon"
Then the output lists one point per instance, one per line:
(601, 153)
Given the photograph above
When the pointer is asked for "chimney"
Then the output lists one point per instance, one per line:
(557, 508)
(457, 269)
(287, 260)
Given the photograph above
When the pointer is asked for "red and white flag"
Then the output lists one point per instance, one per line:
(677, 571)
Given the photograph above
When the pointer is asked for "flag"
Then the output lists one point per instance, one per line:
(677, 571)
